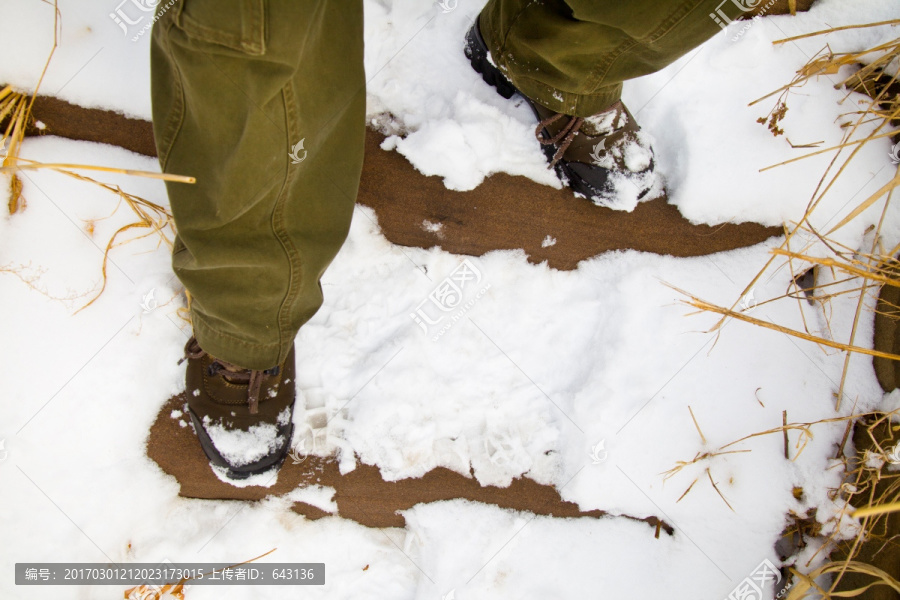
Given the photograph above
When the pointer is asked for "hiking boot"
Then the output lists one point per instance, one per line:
(604, 157)
(242, 417)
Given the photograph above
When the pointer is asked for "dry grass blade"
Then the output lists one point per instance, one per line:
(31, 277)
(784, 426)
(153, 217)
(685, 493)
(858, 273)
(727, 312)
(13, 107)
(805, 430)
(887, 188)
(830, 149)
(15, 111)
(701, 456)
(152, 592)
(697, 425)
(833, 29)
(877, 274)
(881, 509)
(718, 491)
(805, 582)
(32, 165)
(862, 477)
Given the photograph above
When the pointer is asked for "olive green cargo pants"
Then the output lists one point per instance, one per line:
(263, 101)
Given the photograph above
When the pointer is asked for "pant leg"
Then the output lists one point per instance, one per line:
(236, 86)
(573, 55)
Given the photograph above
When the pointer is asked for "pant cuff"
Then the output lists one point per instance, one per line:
(238, 352)
(557, 100)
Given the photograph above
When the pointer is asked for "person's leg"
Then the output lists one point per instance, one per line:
(236, 86)
(572, 56)
(568, 58)
(263, 101)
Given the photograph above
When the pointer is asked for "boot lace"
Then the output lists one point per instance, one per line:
(231, 372)
(565, 136)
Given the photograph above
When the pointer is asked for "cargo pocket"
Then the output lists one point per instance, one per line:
(236, 24)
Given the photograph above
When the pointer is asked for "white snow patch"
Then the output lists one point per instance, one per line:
(435, 228)
(637, 154)
(240, 447)
(316, 495)
(267, 479)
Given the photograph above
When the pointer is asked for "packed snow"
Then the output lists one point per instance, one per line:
(240, 447)
(581, 379)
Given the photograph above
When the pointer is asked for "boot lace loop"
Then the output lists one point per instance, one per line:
(565, 136)
(233, 373)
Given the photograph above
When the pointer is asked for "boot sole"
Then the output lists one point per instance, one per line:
(477, 52)
(267, 463)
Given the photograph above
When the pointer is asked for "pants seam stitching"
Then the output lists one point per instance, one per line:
(295, 266)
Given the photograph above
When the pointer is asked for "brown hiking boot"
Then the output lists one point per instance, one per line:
(604, 157)
(242, 417)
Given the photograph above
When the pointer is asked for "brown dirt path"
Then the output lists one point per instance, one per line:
(504, 212)
(361, 495)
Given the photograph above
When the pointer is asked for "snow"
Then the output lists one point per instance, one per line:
(435, 228)
(524, 375)
(606, 122)
(315, 495)
(241, 447)
(265, 479)
(636, 155)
